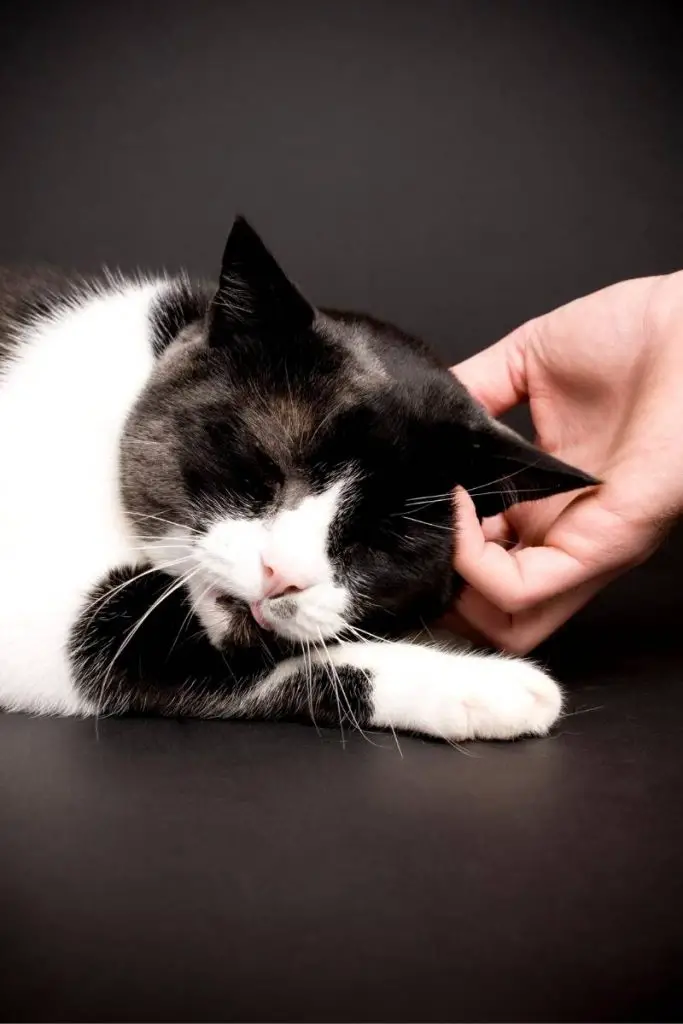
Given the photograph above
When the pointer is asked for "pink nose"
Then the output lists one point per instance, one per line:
(276, 583)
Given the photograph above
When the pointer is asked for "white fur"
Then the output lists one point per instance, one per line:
(231, 556)
(454, 695)
(442, 693)
(293, 542)
(64, 400)
(63, 403)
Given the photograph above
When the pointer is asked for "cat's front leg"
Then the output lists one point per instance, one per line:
(414, 688)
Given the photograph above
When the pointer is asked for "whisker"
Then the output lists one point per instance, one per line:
(155, 538)
(126, 583)
(427, 504)
(356, 633)
(160, 519)
(336, 694)
(507, 476)
(352, 716)
(516, 491)
(513, 490)
(308, 664)
(193, 611)
(176, 585)
(325, 420)
(582, 711)
(363, 634)
(430, 497)
(145, 547)
(434, 526)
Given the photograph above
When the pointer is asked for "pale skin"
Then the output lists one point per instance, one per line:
(603, 376)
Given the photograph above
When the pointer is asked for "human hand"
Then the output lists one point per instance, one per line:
(604, 380)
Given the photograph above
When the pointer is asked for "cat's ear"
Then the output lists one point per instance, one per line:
(254, 295)
(504, 469)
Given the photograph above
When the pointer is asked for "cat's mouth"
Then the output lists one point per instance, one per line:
(284, 616)
(244, 626)
(251, 611)
(256, 609)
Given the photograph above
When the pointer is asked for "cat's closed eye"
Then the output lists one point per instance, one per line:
(283, 469)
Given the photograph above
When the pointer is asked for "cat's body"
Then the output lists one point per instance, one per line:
(220, 503)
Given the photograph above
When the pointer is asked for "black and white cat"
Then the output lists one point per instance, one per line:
(227, 503)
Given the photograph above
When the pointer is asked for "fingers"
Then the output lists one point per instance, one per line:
(475, 617)
(516, 599)
(512, 580)
(497, 376)
(499, 529)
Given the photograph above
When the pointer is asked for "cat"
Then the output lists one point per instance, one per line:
(220, 501)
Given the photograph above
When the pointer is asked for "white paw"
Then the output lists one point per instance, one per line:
(455, 695)
(510, 697)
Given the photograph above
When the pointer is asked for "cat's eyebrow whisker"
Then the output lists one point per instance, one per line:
(324, 421)
(160, 519)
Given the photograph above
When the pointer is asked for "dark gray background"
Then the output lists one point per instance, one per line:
(456, 167)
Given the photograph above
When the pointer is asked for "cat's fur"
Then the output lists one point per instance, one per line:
(224, 502)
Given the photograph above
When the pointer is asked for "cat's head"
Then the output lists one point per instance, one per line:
(294, 466)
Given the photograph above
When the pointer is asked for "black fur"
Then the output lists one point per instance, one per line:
(168, 666)
(181, 305)
(257, 397)
(29, 295)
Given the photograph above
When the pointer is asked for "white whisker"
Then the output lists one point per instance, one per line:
(352, 716)
(507, 476)
(193, 611)
(434, 526)
(176, 585)
(308, 665)
(160, 519)
(115, 590)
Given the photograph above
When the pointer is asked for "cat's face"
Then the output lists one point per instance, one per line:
(293, 467)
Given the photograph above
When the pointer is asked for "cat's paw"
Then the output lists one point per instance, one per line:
(453, 695)
(507, 698)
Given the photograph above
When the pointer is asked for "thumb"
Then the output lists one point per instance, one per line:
(497, 376)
